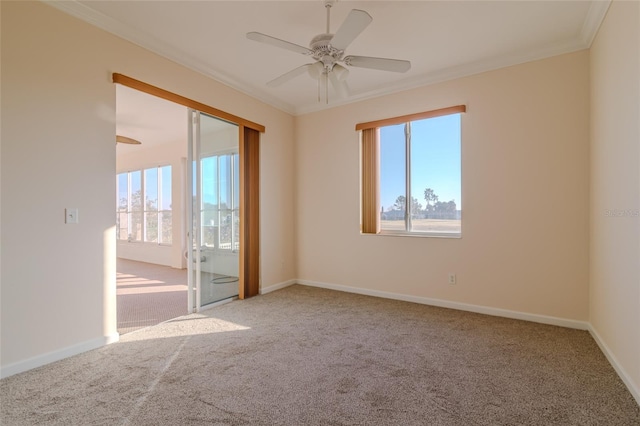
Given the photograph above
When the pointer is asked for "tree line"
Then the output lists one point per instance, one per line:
(433, 204)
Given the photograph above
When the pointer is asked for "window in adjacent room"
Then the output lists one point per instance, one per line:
(411, 174)
(220, 207)
(144, 206)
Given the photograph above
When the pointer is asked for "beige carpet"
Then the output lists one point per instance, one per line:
(307, 356)
(148, 294)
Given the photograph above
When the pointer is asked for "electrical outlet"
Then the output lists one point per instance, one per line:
(452, 278)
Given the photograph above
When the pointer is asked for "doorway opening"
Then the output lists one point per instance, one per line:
(151, 274)
(188, 202)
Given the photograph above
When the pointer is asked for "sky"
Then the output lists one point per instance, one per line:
(210, 175)
(153, 177)
(435, 160)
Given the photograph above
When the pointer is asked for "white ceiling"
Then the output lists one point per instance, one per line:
(154, 121)
(442, 39)
(148, 119)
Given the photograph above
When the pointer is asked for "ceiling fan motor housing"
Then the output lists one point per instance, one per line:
(324, 52)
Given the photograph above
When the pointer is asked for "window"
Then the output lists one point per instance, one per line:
(220, 202)
(411, 174)
(148, 220)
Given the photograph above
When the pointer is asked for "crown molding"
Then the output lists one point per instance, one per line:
(148, 42)
(595, 16)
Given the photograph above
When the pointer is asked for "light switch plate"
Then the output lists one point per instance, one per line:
(71, 215)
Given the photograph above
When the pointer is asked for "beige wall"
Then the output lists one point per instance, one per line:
(525, 160)
(615, 188)
(58, 113)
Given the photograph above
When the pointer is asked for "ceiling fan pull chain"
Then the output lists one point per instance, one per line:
(326, 87)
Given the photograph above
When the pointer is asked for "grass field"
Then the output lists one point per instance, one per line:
(423, 225)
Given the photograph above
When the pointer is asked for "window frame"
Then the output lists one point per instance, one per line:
(160, 211)
(143, 211)
(370, 173)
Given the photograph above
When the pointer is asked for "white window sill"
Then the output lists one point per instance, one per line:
(448, 235)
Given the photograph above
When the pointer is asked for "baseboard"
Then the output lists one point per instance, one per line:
(633, 388)
(277, 286)
(543, 319)
(40, 360)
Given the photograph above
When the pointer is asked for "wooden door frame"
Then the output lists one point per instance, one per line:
(249, 156)
(250, 214)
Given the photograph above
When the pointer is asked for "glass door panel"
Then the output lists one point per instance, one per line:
(214, 210)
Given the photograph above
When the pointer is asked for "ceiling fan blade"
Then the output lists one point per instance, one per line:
(340, 86)
(382, 64)
(356, 22)
(289, 75)
(263, 38)
(124, 139)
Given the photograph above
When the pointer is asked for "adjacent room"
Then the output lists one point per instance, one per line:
(415, 212)
(151, 274)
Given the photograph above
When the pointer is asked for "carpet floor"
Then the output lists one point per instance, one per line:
(308, 356)
(148, 294)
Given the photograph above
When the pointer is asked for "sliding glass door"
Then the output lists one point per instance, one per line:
(213, 210)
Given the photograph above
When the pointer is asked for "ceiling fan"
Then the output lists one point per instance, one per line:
(124, 139)
(328, 51)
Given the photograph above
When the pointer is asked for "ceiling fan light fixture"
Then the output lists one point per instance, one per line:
(316, 70)
(340, 72)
